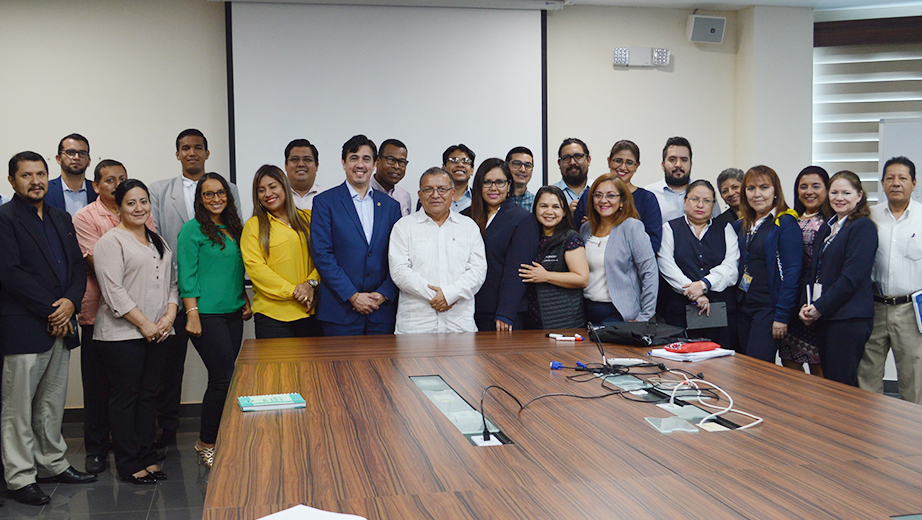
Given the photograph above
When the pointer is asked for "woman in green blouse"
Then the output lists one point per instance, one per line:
(211, 286)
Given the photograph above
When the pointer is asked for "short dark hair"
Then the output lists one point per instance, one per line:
(677, 141)
(451, 149)
(75, 137)
(900, 160)
(519, 149)
(572, 140)
(700, 183)
(435, 170)
(193, 132)
(105, 163)
(397, 143)
(358, 141)
(24, 157)
(302, 143)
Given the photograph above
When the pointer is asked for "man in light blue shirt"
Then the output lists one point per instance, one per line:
(71, 191)
(350, 229)
(573, 159)
(670, 192)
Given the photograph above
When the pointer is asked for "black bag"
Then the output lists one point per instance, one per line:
(639, 333)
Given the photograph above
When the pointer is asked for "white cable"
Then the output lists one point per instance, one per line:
(720, 411)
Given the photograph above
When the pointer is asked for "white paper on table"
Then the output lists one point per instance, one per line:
(691, 356)
(303, 512)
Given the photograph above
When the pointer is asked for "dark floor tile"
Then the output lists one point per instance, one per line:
(95, 498)
(179, 495)
(131, 515)
(14, 510)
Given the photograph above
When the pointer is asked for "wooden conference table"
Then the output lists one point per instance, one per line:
(370, 443)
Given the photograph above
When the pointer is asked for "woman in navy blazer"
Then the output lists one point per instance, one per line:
(842, 305)
(771, 247)
(510, 237)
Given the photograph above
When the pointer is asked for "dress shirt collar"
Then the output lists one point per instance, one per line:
(355, 194)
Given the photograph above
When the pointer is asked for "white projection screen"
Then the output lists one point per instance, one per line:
(431, 77)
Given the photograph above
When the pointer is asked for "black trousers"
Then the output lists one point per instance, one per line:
(602, 312)
(268, 328)
(841, 346)
(218, 346)
(755, 332)
(95, 395)
(169, 392)
(134, 368)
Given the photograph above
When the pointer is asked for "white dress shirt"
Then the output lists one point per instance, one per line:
(306, 201)
(365, 207)
(671, 202)
(720, 277)
(451, 257)
(188, 194)
(898, 264)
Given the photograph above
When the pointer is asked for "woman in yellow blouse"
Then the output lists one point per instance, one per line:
(275, 245)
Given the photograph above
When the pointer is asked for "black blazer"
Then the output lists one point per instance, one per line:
(510, 240)
(55, 195)
(844, 270)
(28, 283)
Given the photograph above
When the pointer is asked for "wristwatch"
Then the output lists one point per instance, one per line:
(313, 283)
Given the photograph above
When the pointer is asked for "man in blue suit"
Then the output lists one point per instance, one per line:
(71, 191)
(350, 230)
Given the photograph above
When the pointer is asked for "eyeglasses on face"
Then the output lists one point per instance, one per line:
(610, 197)
(73, 154)
(294, 159)
(501, 183)
(429, 190)
(626, 162)
(210, 195)
(696, 200)
(519, 165)
(462, 160)
(575, 157)
(391, 160)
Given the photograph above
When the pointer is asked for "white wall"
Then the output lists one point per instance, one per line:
(127, 75)
(592, 99)
(774, 93)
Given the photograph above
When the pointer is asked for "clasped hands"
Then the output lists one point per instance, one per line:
(439, 303)
(695, 292)
(304, 294)
(366, 302)
(808, 314)
(59, 321)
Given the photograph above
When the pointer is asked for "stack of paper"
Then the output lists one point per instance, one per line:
(691, 356)
(255, 403)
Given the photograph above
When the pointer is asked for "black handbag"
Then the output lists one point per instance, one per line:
(638, 333)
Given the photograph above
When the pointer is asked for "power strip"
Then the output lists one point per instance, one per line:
(625, 361)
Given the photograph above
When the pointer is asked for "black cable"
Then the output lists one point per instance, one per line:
(486, 432)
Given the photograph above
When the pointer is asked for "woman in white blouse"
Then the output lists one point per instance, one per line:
(140, 300)
(698, 259)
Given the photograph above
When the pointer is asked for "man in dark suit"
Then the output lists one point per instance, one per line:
(42, 280)
(350, 229)
(71, 191)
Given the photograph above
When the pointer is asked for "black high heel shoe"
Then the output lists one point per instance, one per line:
(143, 480)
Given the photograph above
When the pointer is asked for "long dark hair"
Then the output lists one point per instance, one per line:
(566, 223)
(825, 208)
(229, 216)
(120, 192)
(295, 218)
(478, 205)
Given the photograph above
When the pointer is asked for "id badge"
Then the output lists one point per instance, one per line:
(817, 292)
(745, 282)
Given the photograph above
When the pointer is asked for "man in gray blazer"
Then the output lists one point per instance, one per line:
(172, 202)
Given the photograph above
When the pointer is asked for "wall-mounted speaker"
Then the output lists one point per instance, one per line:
(705, 29)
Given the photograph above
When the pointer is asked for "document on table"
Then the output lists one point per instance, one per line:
(691, 356)
(303, 512)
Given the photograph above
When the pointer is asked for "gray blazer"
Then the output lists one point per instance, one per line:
(630, 270)
(169, 208)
